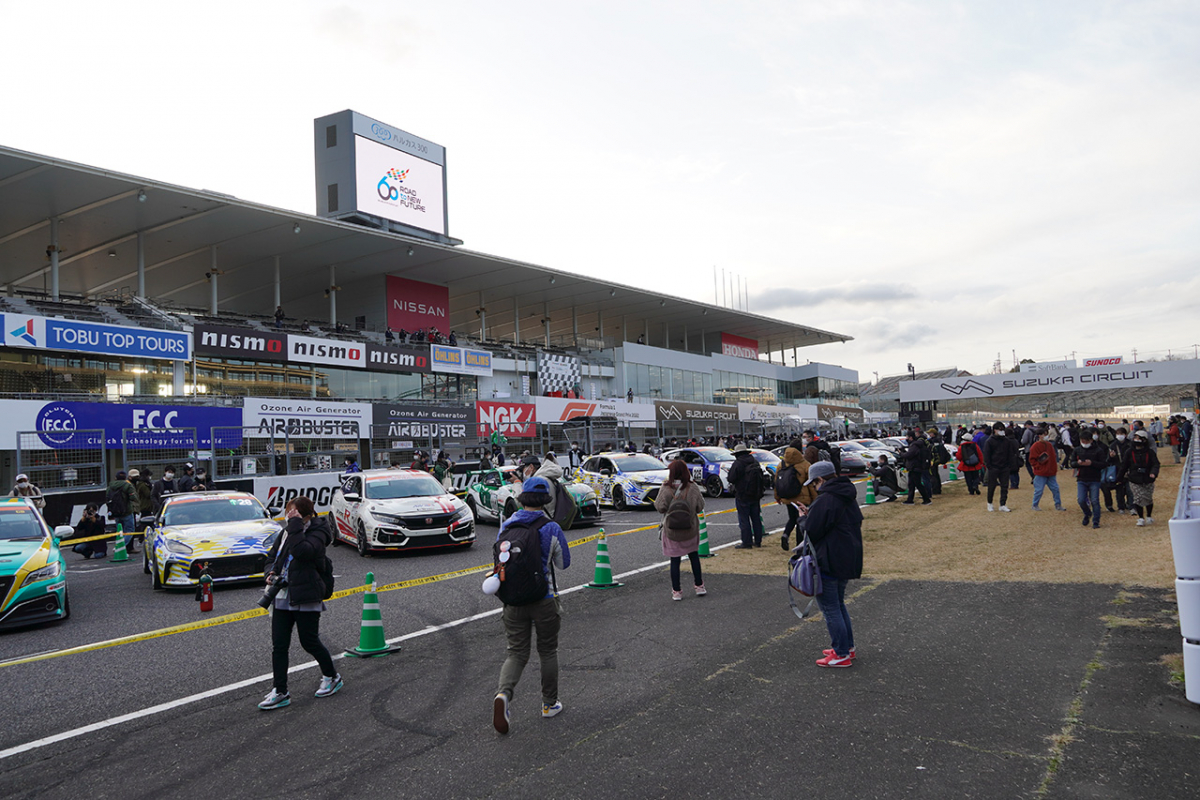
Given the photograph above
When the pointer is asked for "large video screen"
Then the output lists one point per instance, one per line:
(399, 187)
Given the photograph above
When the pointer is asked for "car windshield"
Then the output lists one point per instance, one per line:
(397, 488)
(213, 510)
(637, 463)
(20, 523)
(715, 454)
(851, 446)
(766, 458)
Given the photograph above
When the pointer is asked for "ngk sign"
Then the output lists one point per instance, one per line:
(510, 419)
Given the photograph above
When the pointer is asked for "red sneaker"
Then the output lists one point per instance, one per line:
(831, 652)
(834, 660)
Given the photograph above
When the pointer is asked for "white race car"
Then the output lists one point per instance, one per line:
(399, 509)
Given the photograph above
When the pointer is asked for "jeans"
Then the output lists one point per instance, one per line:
(1089, 491)
(128, 525)
(750, 521)
(308, 625)
(995, 479)
(694, 558)
(1039, 485)
(832, 601)
(1014, 478)
(519, 623)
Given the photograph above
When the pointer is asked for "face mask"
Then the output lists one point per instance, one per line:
(999, 433)
(169, 475)
(22, 483)
(1138, 443)
(1120, 437)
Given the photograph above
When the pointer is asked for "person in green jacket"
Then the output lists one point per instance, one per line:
(122, 500)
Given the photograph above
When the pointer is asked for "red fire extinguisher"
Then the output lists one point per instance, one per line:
(204, 592)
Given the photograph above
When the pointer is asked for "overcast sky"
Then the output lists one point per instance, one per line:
(944, 181)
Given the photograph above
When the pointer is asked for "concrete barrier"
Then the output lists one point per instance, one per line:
(1185, 547)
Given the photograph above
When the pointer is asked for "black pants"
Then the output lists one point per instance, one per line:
(1066, 455)
(697, 578)
(1124, 496)
(972, 478)
(793, 520)
(308, 625)
(918, 479)
(935, 480)
(995, 477)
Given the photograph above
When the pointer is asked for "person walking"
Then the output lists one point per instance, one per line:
(298, 557)
(543, 616)
(1175, 438)
(1066, 443)
(970, 464)
(745, 476)
(1090, 459)
(793, 458)
(680, 502)
(999, 455)
(1140, 468)
(1156, 432)
(1112, 481)
(916, 461)
(1044, 463)
(834, 526)
(1029, 436)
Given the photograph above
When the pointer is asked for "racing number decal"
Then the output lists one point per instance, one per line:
(698, 474)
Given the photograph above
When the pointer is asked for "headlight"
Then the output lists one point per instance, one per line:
(390, 519)
(44, 574)
(176, 546)
(463, 513)
(269, 542)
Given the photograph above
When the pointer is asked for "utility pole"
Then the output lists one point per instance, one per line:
(1135, 355)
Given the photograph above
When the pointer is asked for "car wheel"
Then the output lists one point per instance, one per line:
(145, 559)
(471, 505)
(713, 486)
(155, 581)
(619, 502)
(364, 549)
(510, 508)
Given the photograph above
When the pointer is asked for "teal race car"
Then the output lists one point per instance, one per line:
(492, 496)
(33, 577)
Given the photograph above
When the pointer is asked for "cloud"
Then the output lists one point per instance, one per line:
(808, 298)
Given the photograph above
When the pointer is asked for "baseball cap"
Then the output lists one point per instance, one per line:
(133, 473)
(821, 469)
(536, 484)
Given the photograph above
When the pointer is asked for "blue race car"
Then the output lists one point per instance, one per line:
(709, 467)
(623, 480)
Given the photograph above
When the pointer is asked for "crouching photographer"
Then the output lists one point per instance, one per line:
(297, 580)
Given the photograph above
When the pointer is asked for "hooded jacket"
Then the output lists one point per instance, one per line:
(306, 546)
(794, 458)
(1094, 452)
(746, 478)
(553, 473)
(998, 453)
(834, 525)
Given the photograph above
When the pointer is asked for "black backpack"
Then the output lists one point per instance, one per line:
(971, 459)
(327, 578)
(118, 503)
(787, 483)
(522, 579)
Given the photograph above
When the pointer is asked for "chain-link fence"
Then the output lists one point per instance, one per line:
(158, 447)
(243, 452)
(63, 461)
(316, 453)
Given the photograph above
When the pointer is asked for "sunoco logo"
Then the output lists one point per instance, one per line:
(57, 424)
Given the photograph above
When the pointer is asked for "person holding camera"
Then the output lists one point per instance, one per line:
(295, 592)
(91, 524)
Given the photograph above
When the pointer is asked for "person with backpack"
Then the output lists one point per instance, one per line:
(970, 464)
(834, 526)
(534, 545)
(122, 500)
(938, 455)
(745, 476)
(790, 489)
(1140, 468)
(680, 502)
(298, 558)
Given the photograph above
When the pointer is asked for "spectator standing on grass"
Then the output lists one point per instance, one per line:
(1117, 451)
(1175, 438)
(681, 525)
(1028, 436)
(938, 455)
(793, 457)
(1066, 443)
(1090, 458)
(1140, 468)
(970, 464)
(745, 476)
(1156, 431)
(1044, 463)
(916, 461)
(834, 526)
(999, 455)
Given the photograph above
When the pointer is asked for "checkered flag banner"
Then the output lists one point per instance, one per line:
(557, 373)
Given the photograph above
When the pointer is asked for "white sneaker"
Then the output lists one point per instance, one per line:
(1149, 520)
(1141, 523)
(329, 685)
(1035, 508)
(990, 507)
(1005, 508)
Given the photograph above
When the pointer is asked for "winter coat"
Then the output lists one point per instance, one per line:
(553, 473)
(834, 525)
(745, 476)
(1097, 454)
(1117, 451)
(916, 455)
(794, 458)
(1139, 465)
(998, 453)
(131, 498)
(695, 501)
(144, 491)
(1043, 459)
(969, 446)
(31, 491)
(306, 546)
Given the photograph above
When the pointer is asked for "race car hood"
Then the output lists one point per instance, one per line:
(444, 504)
(16, 554)
(648, 476)
(581, 492)
(226, 534)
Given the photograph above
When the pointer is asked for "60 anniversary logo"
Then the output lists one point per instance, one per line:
(385, 189)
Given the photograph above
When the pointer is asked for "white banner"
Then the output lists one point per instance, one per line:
(334, 352)
(757, 412)
(1129, 376)
(557, 409)
(307, 419)
(1050, 366)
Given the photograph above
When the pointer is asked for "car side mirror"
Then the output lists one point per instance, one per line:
(606, 472)
(274, 511)
(147, 520)
(63, 532)
(351, 497)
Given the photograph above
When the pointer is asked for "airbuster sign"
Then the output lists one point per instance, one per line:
(419, 421)
(1126, 376)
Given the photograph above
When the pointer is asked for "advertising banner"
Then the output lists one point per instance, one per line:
(675, 411)
(1048, 366)
(305, 419)
(1105, 361)
(460, 360)
(757, 412)
(556, 372)
(395, 185)
(278, 490)
(244, 343)
(415, 305)
(48, 333)
(422, 421)
(1128, 376)
(510, 419)
(332, 352)
(557, 409)
(739, 346)
(59, 421)
(828, 412)
(398, 357)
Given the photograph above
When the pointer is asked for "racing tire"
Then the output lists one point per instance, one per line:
(145, 559)
(364, 549)
(713, 486)
(471, 505)
(618, 498)
(510, 508)
(155, 581)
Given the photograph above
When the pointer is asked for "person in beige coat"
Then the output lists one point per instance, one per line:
(678, 542)
(796, 506)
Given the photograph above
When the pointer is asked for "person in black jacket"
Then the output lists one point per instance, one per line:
(834, 526)
(1089, 459)
(745, 476)
(916, 460)
(1001, 456)
(1140, 468)
(298, 557)
(1118, 451)
(887, 485)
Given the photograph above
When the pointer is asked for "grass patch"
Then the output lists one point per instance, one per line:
(1174, 664)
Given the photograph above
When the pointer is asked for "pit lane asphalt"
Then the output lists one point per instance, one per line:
(114, 600)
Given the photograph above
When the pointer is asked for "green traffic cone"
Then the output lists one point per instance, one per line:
(704, 551)
(870, 491)
(119, 552)
(603, 577)
(371, 641)
(953, 473)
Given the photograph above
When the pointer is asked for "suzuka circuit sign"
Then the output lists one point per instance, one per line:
(1124, 376)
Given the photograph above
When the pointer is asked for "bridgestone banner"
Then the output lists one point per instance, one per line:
(1126, 376)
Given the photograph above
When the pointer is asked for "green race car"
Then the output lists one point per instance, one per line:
(33, 577)
(492, 496)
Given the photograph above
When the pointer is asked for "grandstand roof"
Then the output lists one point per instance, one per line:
(100, 215)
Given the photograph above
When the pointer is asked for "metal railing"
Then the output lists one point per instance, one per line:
(63, 461)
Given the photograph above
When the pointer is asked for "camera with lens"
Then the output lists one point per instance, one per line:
(272, 590)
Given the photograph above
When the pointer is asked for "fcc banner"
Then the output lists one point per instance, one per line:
(1126, 376)
(58, 422)
(49, 333)
(461, 360)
